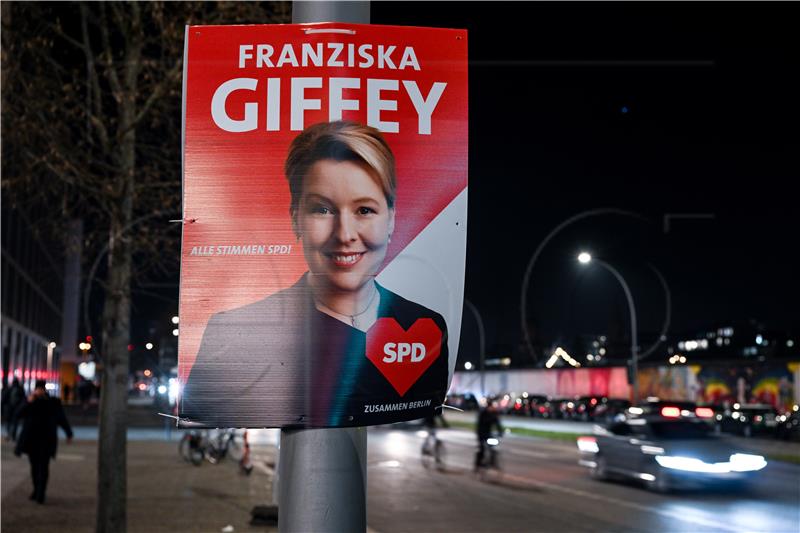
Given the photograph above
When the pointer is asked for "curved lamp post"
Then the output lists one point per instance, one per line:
(526, 279)
(585, 258)
(481, 341)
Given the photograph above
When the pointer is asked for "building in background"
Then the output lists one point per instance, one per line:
(36, 324)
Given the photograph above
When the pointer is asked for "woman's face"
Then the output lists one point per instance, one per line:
(344, 222)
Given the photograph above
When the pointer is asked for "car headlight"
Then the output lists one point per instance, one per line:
(745, 462)
(739, 462)
(588, 444)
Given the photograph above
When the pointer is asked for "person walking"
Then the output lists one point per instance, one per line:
(41, 417)
(13, 400)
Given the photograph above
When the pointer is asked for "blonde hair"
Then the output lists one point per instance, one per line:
(341, 141)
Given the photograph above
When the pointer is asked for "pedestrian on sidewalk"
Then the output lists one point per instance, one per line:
(41, 417)
(13, 400)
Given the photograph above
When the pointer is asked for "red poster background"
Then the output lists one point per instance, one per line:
(234, 190)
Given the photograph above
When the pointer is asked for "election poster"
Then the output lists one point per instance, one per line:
(324, 223)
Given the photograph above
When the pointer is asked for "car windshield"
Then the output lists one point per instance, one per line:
(680, 429)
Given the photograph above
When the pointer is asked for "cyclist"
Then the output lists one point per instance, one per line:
(487, 419)
(431, 445)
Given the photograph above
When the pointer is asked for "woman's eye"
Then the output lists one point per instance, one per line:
(320, 210)
(365, 211)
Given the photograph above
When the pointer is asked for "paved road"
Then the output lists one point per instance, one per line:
(544, 489)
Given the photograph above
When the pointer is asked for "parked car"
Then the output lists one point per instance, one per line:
(666, 453)
(537, 405)
(789, 426)
(610, 409)
(561, 408)
(465, 402)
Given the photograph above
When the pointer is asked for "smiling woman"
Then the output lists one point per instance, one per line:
(309, 355)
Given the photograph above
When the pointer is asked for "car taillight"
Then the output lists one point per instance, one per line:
(670, 412)
(542, 409)
(704, 412)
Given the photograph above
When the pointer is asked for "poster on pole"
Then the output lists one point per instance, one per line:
(324, 223)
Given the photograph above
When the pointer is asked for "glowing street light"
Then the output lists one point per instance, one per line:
(584, 257)
(149, 345)
(468, 366)
(175, 332)
(175, 320)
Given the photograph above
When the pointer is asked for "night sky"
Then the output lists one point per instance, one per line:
(649, 107)
(653, 108)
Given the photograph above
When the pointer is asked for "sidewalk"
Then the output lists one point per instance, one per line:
(164, 492)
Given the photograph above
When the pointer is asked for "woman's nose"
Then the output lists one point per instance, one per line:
(346, 228)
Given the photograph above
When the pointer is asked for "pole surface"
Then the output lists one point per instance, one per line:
(323, 480)
(323, 472)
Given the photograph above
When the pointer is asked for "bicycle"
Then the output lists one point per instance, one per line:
(432, 451)
(225, 442)
(192, 447)
(488, 466)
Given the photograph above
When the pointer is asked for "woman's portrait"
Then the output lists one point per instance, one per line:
(298, 357)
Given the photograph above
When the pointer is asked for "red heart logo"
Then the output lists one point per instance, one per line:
(403, 356)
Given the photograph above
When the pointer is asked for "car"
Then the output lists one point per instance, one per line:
(465, 402)
(666, 453)
(749, 419)
(559, 408)
(789, 426)
(537, 404)
(609, 409)
(672, 409)
(666, 408)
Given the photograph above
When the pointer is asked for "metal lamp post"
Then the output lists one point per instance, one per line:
(322, 473)
(482, 341)
(585, 258)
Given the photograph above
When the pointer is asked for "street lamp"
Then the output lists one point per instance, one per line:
(585, 258)
(482, 344)
(50, 347)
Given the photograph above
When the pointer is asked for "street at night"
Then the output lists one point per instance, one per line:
(544, 489)
(254, 254)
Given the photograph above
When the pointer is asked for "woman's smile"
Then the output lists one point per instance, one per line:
(345, 259)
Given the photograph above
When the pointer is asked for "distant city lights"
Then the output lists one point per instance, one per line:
(560, 352)
(467, 366)
(175, 320)
(149, 345)
(584, 257)
(85, 346)
(175, 332)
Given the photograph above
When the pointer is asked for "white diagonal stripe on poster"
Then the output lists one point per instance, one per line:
(430, 269)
